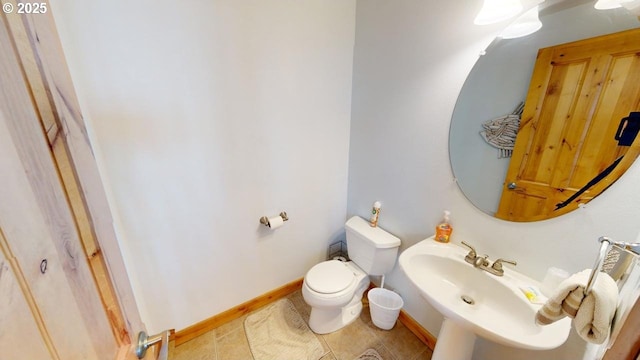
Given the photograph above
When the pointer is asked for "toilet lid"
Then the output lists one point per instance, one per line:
(329, 277)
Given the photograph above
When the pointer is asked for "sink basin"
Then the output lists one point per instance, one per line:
(475, 302)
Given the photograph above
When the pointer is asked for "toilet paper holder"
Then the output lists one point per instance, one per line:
(265, 220)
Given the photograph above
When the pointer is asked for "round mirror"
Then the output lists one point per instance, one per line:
(508, 104)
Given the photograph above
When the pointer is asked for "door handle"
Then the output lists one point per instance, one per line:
(145, 342)
(511, 186)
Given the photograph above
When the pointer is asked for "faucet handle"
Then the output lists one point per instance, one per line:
(497, 265)
(472, 252)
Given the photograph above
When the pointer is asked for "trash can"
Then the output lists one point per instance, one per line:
(385, 307)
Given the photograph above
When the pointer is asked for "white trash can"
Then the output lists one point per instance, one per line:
(385, 307)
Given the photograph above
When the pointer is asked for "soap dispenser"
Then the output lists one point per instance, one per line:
(444, 229)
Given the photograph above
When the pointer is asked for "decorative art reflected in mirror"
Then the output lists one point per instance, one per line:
(565, 152)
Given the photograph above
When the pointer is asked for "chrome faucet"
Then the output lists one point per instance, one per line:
(473, 258)
(482, 262)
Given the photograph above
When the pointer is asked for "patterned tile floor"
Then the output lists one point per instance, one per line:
(228, 342)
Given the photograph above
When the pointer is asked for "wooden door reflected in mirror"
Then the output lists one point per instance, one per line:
(500, 80)
(566, 151)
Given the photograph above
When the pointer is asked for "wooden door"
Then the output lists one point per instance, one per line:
(19, 331)
(40, 242)
(47, 263)
(627, 344)
(578, 94)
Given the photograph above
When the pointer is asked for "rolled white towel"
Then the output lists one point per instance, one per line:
(592, 314)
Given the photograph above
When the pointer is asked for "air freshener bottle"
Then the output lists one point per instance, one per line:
(444, 229)
(375, 212)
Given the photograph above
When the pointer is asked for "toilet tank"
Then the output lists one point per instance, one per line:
(374, 250)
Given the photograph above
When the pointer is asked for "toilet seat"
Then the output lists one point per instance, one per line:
(330, 277)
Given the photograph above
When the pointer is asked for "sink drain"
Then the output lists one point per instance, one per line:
(467, 299)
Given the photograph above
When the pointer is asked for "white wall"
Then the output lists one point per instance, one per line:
(205, 116)
(411, 59)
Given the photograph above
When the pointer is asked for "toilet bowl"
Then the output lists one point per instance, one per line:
(334, 291)
(334, 288)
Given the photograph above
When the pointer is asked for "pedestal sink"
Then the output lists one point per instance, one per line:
(476, 303)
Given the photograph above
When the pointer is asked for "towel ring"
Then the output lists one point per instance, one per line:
(605, 242)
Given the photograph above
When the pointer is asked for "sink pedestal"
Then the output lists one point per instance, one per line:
(454, 342)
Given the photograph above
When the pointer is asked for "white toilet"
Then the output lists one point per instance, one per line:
(334, 288)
